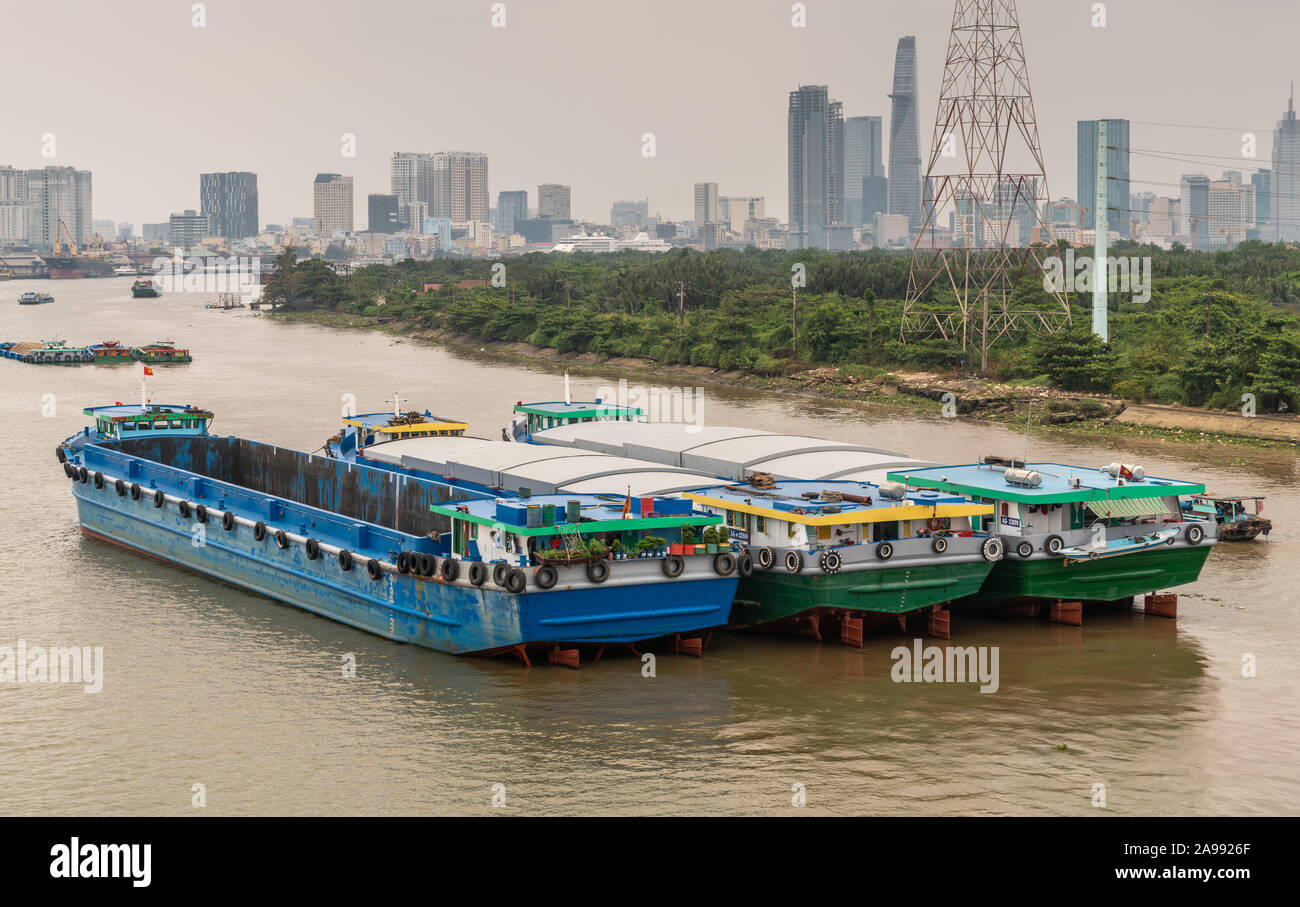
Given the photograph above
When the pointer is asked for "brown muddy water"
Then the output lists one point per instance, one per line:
(206, 684)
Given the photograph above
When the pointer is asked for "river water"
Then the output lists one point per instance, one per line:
(208, 685)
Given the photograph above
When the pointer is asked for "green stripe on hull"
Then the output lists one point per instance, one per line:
(772, 596)
(1101, 580)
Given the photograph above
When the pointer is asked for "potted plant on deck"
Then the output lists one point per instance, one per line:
(711, 540)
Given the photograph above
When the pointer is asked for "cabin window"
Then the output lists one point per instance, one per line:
(884, 532)
(128, 426)
(823, 533)
(738, 520)
(760, 523)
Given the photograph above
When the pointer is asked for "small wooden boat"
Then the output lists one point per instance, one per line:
(1117, 547)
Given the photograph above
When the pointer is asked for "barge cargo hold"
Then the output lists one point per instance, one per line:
(370, 548)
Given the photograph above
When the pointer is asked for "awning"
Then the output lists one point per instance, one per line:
(1129, 507)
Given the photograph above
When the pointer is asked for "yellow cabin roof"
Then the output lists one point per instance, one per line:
(412, 428)
(874, 514)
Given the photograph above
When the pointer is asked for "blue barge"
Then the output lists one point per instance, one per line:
(376, 549)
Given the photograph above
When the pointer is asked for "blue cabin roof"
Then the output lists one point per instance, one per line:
(1059, 483)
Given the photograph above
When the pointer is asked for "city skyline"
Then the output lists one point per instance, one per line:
(591, 138)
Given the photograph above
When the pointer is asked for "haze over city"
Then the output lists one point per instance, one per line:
(565, 91)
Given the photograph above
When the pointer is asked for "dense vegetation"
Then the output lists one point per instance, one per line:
(1217, 326)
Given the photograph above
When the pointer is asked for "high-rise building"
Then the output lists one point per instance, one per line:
(629, 214)
(905, 136)
(1118, 216)
(553, 201)
(58, 193)
(460, 186)
(863, 160)
(816, 166)
(331, 205)
(737, 209)
(1232, 210)
(1163, 217)
(381, 214)
(1285, 204)
(1262, 180)
(156, 234)
(230, 202)
(16, 210)
(188, 229)
(512, 210)
(412, 183)
(1194, 210)
(708, 209)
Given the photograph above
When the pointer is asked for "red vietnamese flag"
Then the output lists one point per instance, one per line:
(147, 370)
(627, 505)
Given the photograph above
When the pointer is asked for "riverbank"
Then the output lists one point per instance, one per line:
(1043, 408)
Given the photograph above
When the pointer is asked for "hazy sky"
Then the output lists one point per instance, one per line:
(132, 91)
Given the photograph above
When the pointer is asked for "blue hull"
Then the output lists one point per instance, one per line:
(450, 617)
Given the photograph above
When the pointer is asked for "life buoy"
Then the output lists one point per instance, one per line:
(477, 573)
(831, 562)
(345, 559)
(672, 566)
(545, 576)
(598, 571)
(515, 580)
(934, 523)
(313, 549)
(375, 571)
(228, 521)
(724, 564)
(450, 569)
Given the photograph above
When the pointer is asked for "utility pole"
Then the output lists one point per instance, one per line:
(681, 303)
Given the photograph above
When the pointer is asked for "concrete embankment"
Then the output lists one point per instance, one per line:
(1273, 428)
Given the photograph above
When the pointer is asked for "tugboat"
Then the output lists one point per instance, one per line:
(34, 298)
(161, 352)
(409, 559)
(146, 288)
(1236, 523)
(110, 351)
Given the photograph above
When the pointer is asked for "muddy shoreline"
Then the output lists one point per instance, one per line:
(1085, 415)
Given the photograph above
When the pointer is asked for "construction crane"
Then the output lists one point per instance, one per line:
(60, 232)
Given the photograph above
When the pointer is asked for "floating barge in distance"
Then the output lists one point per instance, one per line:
(1077, 533)
(33, 298)
(146, 288)
(161, 352)
(370, 547)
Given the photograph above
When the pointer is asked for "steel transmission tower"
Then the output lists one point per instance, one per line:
(982, 279)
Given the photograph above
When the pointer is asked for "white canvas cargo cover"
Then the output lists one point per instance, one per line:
(832, 464)
(642, 483)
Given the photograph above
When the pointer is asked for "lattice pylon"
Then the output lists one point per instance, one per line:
(986, 113)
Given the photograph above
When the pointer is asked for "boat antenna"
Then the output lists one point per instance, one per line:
(397, 404)
(568, 397)
(1029, 415)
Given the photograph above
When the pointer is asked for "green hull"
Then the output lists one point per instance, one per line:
(1100, 580)
(771, 596)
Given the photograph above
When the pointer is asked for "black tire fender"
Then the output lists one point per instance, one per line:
(766, 558)
(598, 571)
(1194, 534)
(449, 570)
(477, 573)
(373, 569)
(545, 576)
(745, 564)
(99, 480)
(259, 530)
(939, 545)
(672, 566)
(313, 549)
(120, 487)
(1025, 550)
(159, 498)
(282, 539)
(515, 581)
(201, 513)
(345, 559)
(228, 521)
(499, 573)
(831, 562)
(403, 562)
(135, 491)
(82, 475)
(184, 508)
(724, 563)
(1054, 544)
(884, 551)
(793, 561)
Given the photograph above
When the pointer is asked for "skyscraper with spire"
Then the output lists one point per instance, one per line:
(905, 136)
(1286, 174)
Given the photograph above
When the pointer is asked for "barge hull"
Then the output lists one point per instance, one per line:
(1101, 580)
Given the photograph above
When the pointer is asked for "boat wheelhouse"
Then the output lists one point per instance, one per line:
(368, 547)
(1238, 516)
(1078, 533)
(837, 550)
(537, 417)
(109, 352)
(57, 352)
(161, 352)
(376, 428)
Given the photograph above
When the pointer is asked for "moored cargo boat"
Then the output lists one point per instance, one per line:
(109, 352)
(33, 298)
(161, 352)
(835, 550)
(1075, 533)
(367, 547)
